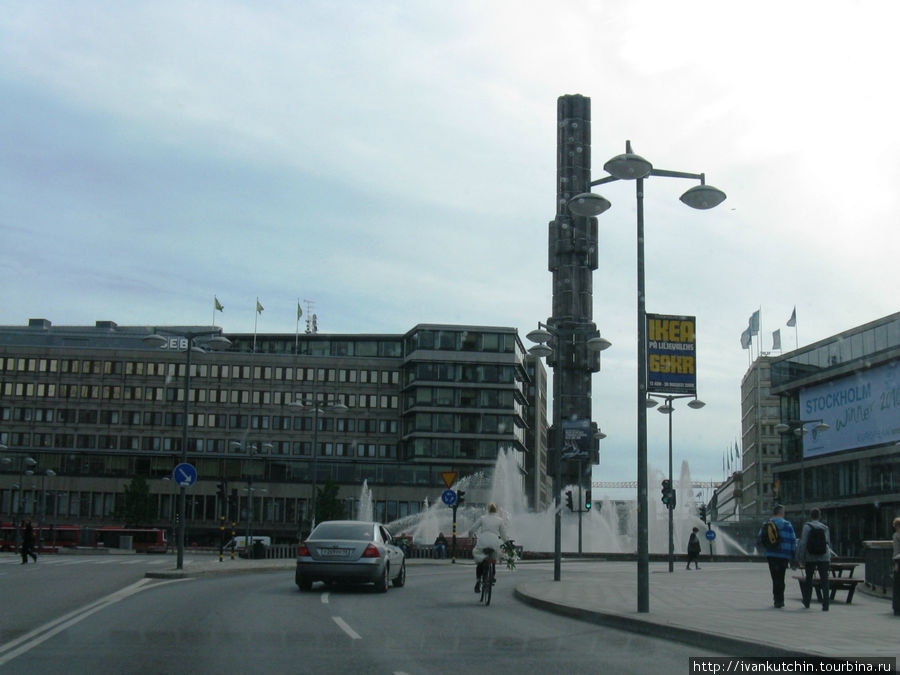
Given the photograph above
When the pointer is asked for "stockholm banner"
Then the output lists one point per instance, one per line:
(671, 354)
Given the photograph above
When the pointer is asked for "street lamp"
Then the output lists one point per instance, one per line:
(630, 166)
(185, 341)
(253, 452)
(318, 407)
(44, 475)
(798, 427)
(25, 464)
(595, 343)
(667, 409)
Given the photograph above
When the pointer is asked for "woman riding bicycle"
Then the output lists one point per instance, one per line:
(492, 535)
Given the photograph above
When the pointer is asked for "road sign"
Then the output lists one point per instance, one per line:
(185, 475)
(710, 535)
(449, 477)
(448, 497)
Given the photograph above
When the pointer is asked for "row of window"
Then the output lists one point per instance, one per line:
(460, 397)
(199, 420)
(11, 364)
(460, 423)
(461, 341)
(173, 444)
(460, 372)
(457, 448)
(11, 390)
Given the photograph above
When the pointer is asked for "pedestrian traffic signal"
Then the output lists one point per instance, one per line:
(666, 491)
(701, 511)
(587, 499)
(221, 489)
(569, 500)
(460, 497)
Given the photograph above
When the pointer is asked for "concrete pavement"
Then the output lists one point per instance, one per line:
(724, 606)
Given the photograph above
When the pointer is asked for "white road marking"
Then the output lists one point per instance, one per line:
(32, 639)
(324, 598)
(342, 625)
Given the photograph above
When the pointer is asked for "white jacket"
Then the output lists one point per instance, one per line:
(491, 532)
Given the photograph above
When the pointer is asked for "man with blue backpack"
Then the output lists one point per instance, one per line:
(778, 542)
(814, 551)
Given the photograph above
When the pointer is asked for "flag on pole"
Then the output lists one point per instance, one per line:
(299, 311)
(793, 320)
(746, 339)
(776, 340)
(217, 306)
(259, 307)
(754, 323)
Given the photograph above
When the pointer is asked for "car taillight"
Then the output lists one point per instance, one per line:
(371, 552)
(302, 550)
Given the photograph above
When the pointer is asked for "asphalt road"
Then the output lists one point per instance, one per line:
(262, 622)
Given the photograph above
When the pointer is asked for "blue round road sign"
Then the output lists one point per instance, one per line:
(710, 535)
(185, 475)
(448, 497)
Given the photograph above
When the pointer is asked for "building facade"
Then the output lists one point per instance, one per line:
(97, 405)
(851, 469)
(760, 443)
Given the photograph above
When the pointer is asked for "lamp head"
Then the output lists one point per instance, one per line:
(703, 197)
(696, 404)
(628, 166)
(588, 204)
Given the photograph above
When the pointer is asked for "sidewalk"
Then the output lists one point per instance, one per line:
(726, 607)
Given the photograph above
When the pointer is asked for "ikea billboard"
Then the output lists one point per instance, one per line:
(671, 354)
(862, 409)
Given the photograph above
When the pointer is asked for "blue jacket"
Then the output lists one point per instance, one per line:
(787, 547)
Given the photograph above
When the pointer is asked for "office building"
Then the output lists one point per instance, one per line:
(98, 405)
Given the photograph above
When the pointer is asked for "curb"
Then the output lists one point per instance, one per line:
(721, 643)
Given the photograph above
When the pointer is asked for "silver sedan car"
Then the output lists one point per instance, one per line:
(350, 551)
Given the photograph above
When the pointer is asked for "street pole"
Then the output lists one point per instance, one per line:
(557, 474)
(580, 502)
(671, 510)
(315, 454)
(643, 561)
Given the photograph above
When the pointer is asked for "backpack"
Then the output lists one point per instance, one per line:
(769, 536)
(815, 542)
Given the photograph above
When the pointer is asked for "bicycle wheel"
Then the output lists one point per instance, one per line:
(487, 585)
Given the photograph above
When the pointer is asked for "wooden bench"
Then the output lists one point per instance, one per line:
(835, 584)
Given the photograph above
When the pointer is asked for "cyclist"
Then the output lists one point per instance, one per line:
(492, 535)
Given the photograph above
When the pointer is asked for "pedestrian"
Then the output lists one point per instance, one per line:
(780, 549)
(896, 542)
(28, 541)
(814, 552)
(693, 549)
(440, 546)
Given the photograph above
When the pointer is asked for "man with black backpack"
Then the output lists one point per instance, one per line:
(778, 542)
(814, 551)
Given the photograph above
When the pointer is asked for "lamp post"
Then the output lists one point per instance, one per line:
(18, 505)
(542, 336)
(44, 475)
(319, 407)
(185, 341)
(630, 166)
(254, 452)
(798, 427)
(668, 409)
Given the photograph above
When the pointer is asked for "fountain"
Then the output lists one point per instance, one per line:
(366, 509)
(610, 527)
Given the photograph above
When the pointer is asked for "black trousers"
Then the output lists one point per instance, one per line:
(897, 589)
(777, 568)
(807, 588)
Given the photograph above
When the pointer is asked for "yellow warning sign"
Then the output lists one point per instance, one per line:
(449, 478)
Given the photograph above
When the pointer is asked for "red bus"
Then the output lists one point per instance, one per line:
(143, 539)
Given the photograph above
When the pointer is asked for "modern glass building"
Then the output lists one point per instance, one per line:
(97, 405)
(851, 470)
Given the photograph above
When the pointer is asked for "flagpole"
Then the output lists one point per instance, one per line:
(255, 322)
(297, 330)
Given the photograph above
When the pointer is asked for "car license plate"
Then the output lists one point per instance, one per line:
(333, 552)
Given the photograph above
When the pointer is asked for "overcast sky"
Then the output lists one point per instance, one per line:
(394, 162)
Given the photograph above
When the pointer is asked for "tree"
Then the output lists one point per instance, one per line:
(328, 506)
(137, 507)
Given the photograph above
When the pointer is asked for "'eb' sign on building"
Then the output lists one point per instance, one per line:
(671, 354)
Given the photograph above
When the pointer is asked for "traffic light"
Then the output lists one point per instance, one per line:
(587, 499)
(221, 489)
(666, 491)
(460, 497)
(701, 511)
(569, 500)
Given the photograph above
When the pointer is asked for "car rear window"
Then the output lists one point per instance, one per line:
(352, 531)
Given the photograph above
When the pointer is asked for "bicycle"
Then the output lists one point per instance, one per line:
(488, 576)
